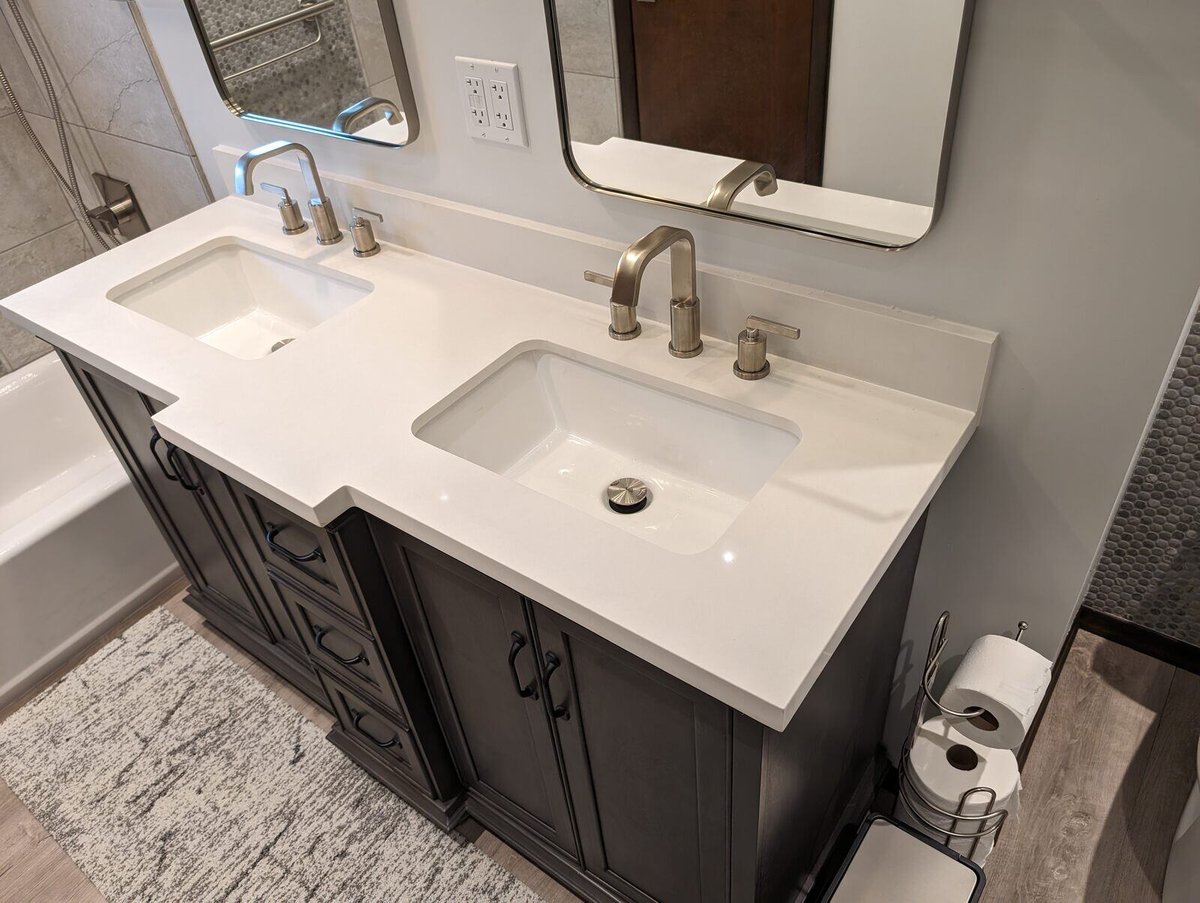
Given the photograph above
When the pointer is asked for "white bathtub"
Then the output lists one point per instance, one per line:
(77, 549)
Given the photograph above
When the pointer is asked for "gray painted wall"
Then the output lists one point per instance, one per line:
(1071, 225)
(120, 121)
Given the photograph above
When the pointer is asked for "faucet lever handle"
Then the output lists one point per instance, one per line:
(597, 278)
(363, 212)
(289, 210)
(772, 326)
(284, 194)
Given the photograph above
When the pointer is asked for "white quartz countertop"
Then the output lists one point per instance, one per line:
(326, 424)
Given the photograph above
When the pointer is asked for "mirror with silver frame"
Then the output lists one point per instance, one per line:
(335, 67)
(830, 117)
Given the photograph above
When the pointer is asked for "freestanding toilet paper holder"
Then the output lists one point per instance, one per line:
(962, 826)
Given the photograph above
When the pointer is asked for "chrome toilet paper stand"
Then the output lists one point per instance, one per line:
(962, 826)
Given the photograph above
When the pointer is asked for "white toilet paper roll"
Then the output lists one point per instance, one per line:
(1008, 680)
(943, 766)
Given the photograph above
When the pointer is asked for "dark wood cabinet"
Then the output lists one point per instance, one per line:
(469, 700)
(476, 648)
(626, 783)
(196, 511)
(647, 761)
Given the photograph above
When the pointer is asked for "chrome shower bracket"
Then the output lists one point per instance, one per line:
(119, 215)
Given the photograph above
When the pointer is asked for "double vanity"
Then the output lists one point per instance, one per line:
(635, 612)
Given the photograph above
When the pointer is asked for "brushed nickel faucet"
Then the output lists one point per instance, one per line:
(323, 216)
(731, 184)
(626, 284)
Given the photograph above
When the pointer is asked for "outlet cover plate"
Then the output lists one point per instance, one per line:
(505, 125)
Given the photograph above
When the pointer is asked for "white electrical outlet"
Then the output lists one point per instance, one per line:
(477, 111)
(499, 93)
(491, 93)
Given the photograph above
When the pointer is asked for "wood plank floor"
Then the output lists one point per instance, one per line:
(35, 869)
(1104, 785)
(1105, 782)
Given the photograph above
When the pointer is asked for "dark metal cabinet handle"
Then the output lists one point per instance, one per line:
(273, 531)
(319, 638)
(178, 469)
(558, 711)
(526, 692)
(155, 438)
(175, 473)
(382, 744)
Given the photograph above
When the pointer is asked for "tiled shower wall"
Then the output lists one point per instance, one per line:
(1149, 570)
(120, 122)
(585, 28)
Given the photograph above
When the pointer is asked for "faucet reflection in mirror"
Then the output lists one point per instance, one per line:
(839, 113)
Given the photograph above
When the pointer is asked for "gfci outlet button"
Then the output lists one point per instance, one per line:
(491, 97)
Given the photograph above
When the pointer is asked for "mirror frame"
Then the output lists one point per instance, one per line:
(391, 32)
(560, 92)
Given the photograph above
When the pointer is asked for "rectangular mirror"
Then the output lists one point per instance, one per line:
(831, 117)
(330, 66)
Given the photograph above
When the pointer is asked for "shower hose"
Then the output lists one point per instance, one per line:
(69, 182)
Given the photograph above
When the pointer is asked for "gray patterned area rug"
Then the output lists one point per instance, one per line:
(168, 773)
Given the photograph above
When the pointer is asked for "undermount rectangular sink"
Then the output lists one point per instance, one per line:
(238, 297)
(567, 426)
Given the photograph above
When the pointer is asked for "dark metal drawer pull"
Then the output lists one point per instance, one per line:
(382, 744)
(319, 638)
(273, 531)
(558, 711)
(527, 692)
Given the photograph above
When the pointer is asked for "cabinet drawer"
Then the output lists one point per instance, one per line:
(374, 730)
(304, 552)
(338, 647)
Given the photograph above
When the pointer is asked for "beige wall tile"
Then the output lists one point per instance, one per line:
(24, 83)
(372, 45)
(167, 184)
(592, 107)
(33, 203)
(23, 266)
(585, 32)
(108, 71)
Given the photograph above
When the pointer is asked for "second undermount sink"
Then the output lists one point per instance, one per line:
(240, 298)
(567, 426)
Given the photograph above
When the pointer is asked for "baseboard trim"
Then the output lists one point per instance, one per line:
(1140, 639)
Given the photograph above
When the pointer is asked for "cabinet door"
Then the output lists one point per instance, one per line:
(476, 650)
(187, 518)
(648, 767)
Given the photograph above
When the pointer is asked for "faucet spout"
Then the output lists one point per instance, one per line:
(319, 205)
(732, 183)
(627, 284)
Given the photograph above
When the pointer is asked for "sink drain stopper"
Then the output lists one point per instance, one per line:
(628, 495)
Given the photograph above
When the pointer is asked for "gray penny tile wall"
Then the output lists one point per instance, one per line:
(311, 86)
(119, 120)
(585, 28)
(1149, 570)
